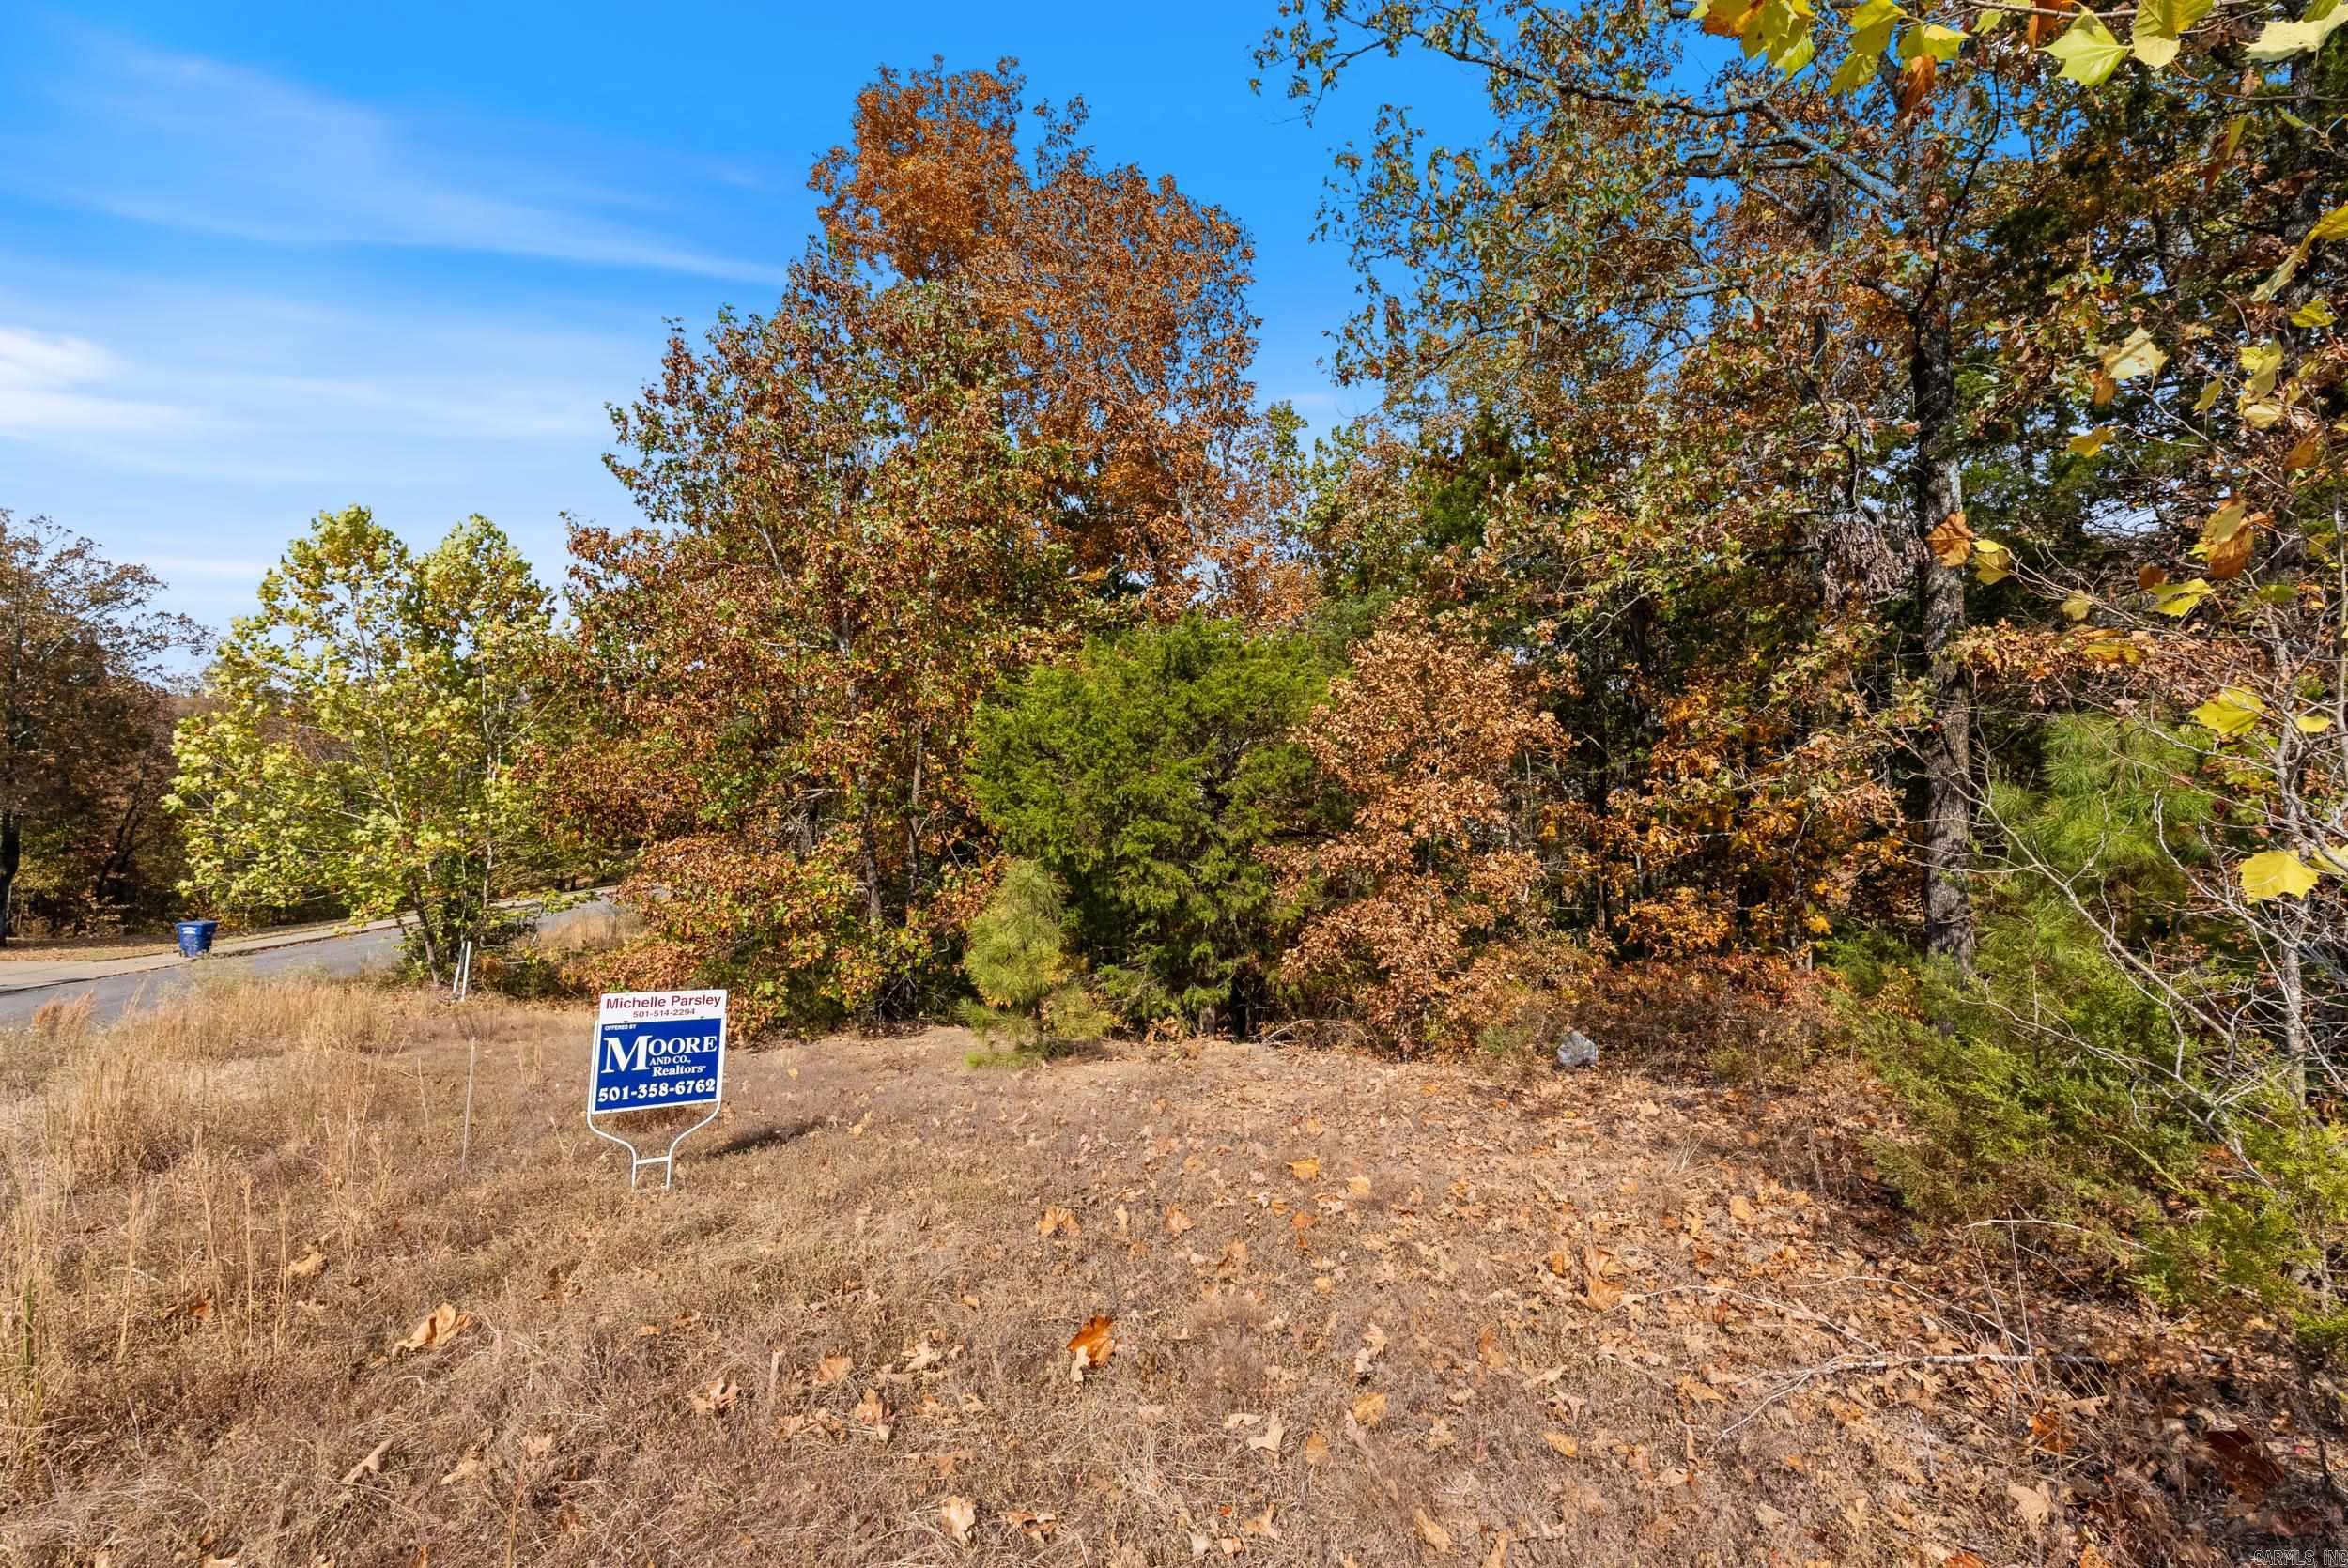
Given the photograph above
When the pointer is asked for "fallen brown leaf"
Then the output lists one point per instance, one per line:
(1431, 1532)
(958, 1514)
(442, 1325)
(1091, 1344)
(1370, 1409)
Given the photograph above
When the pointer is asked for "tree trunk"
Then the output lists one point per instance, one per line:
(11, 856)
(1948, 748)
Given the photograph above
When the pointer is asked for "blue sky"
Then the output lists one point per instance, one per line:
(264, 258)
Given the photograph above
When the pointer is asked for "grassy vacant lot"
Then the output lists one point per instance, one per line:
(1360, 1313)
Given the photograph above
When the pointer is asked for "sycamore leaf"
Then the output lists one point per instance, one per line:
(2265, 361)
(2159, 26)
(1992, 561)
(2087, 50)
(1952, 542)
(2093, 441)
(2312, 724)
(2224, 523)
(2178, 598)
(1940, 43)
(2230, 713)
(2139, 355)
(2315, 312)
(1860, 66)
(2076, 606)
(2280, 40)
(2276, 874)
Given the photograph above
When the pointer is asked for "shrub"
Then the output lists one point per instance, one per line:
(1146, 776)
(2052, 1090)
(1018, 960)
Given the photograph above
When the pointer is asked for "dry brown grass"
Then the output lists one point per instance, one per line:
(226, 1216)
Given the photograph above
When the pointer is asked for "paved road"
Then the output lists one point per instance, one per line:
(354, 953)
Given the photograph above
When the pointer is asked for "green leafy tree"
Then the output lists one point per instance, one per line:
(1147, 776)
(362, 735)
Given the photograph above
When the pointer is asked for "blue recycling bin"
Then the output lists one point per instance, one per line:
(196, 937)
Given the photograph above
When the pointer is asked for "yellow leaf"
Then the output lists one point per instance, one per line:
(2078, 606)
(2138, 354)
(2224, 523)
(2280, 40)
(2263, 361)
(2315, 312)
(2312, 724)
(2087, 50)
(1992, 561)
(2093, 441)
(1370, 1409)
(2276, 874)
(2178, 598)
(2333, 224)
(1562, 1443)
(2211, 392)
(1307, 1169)
(2159, 26)
(2230, 713)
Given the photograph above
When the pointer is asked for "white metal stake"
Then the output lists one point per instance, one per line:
(473, 1058)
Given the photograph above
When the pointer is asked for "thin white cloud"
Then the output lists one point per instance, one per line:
(54, 383)
(209, 146)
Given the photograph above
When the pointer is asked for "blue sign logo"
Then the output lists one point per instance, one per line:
(645, 1064)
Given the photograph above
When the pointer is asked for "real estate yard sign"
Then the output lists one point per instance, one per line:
(655, 1050)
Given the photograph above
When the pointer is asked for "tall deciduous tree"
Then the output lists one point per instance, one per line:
(1002, 402)
(362, 735)
(80, 649)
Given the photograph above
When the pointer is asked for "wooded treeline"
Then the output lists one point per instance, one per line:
(1854, 516)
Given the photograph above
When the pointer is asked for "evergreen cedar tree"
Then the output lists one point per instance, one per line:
(1151, 776)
